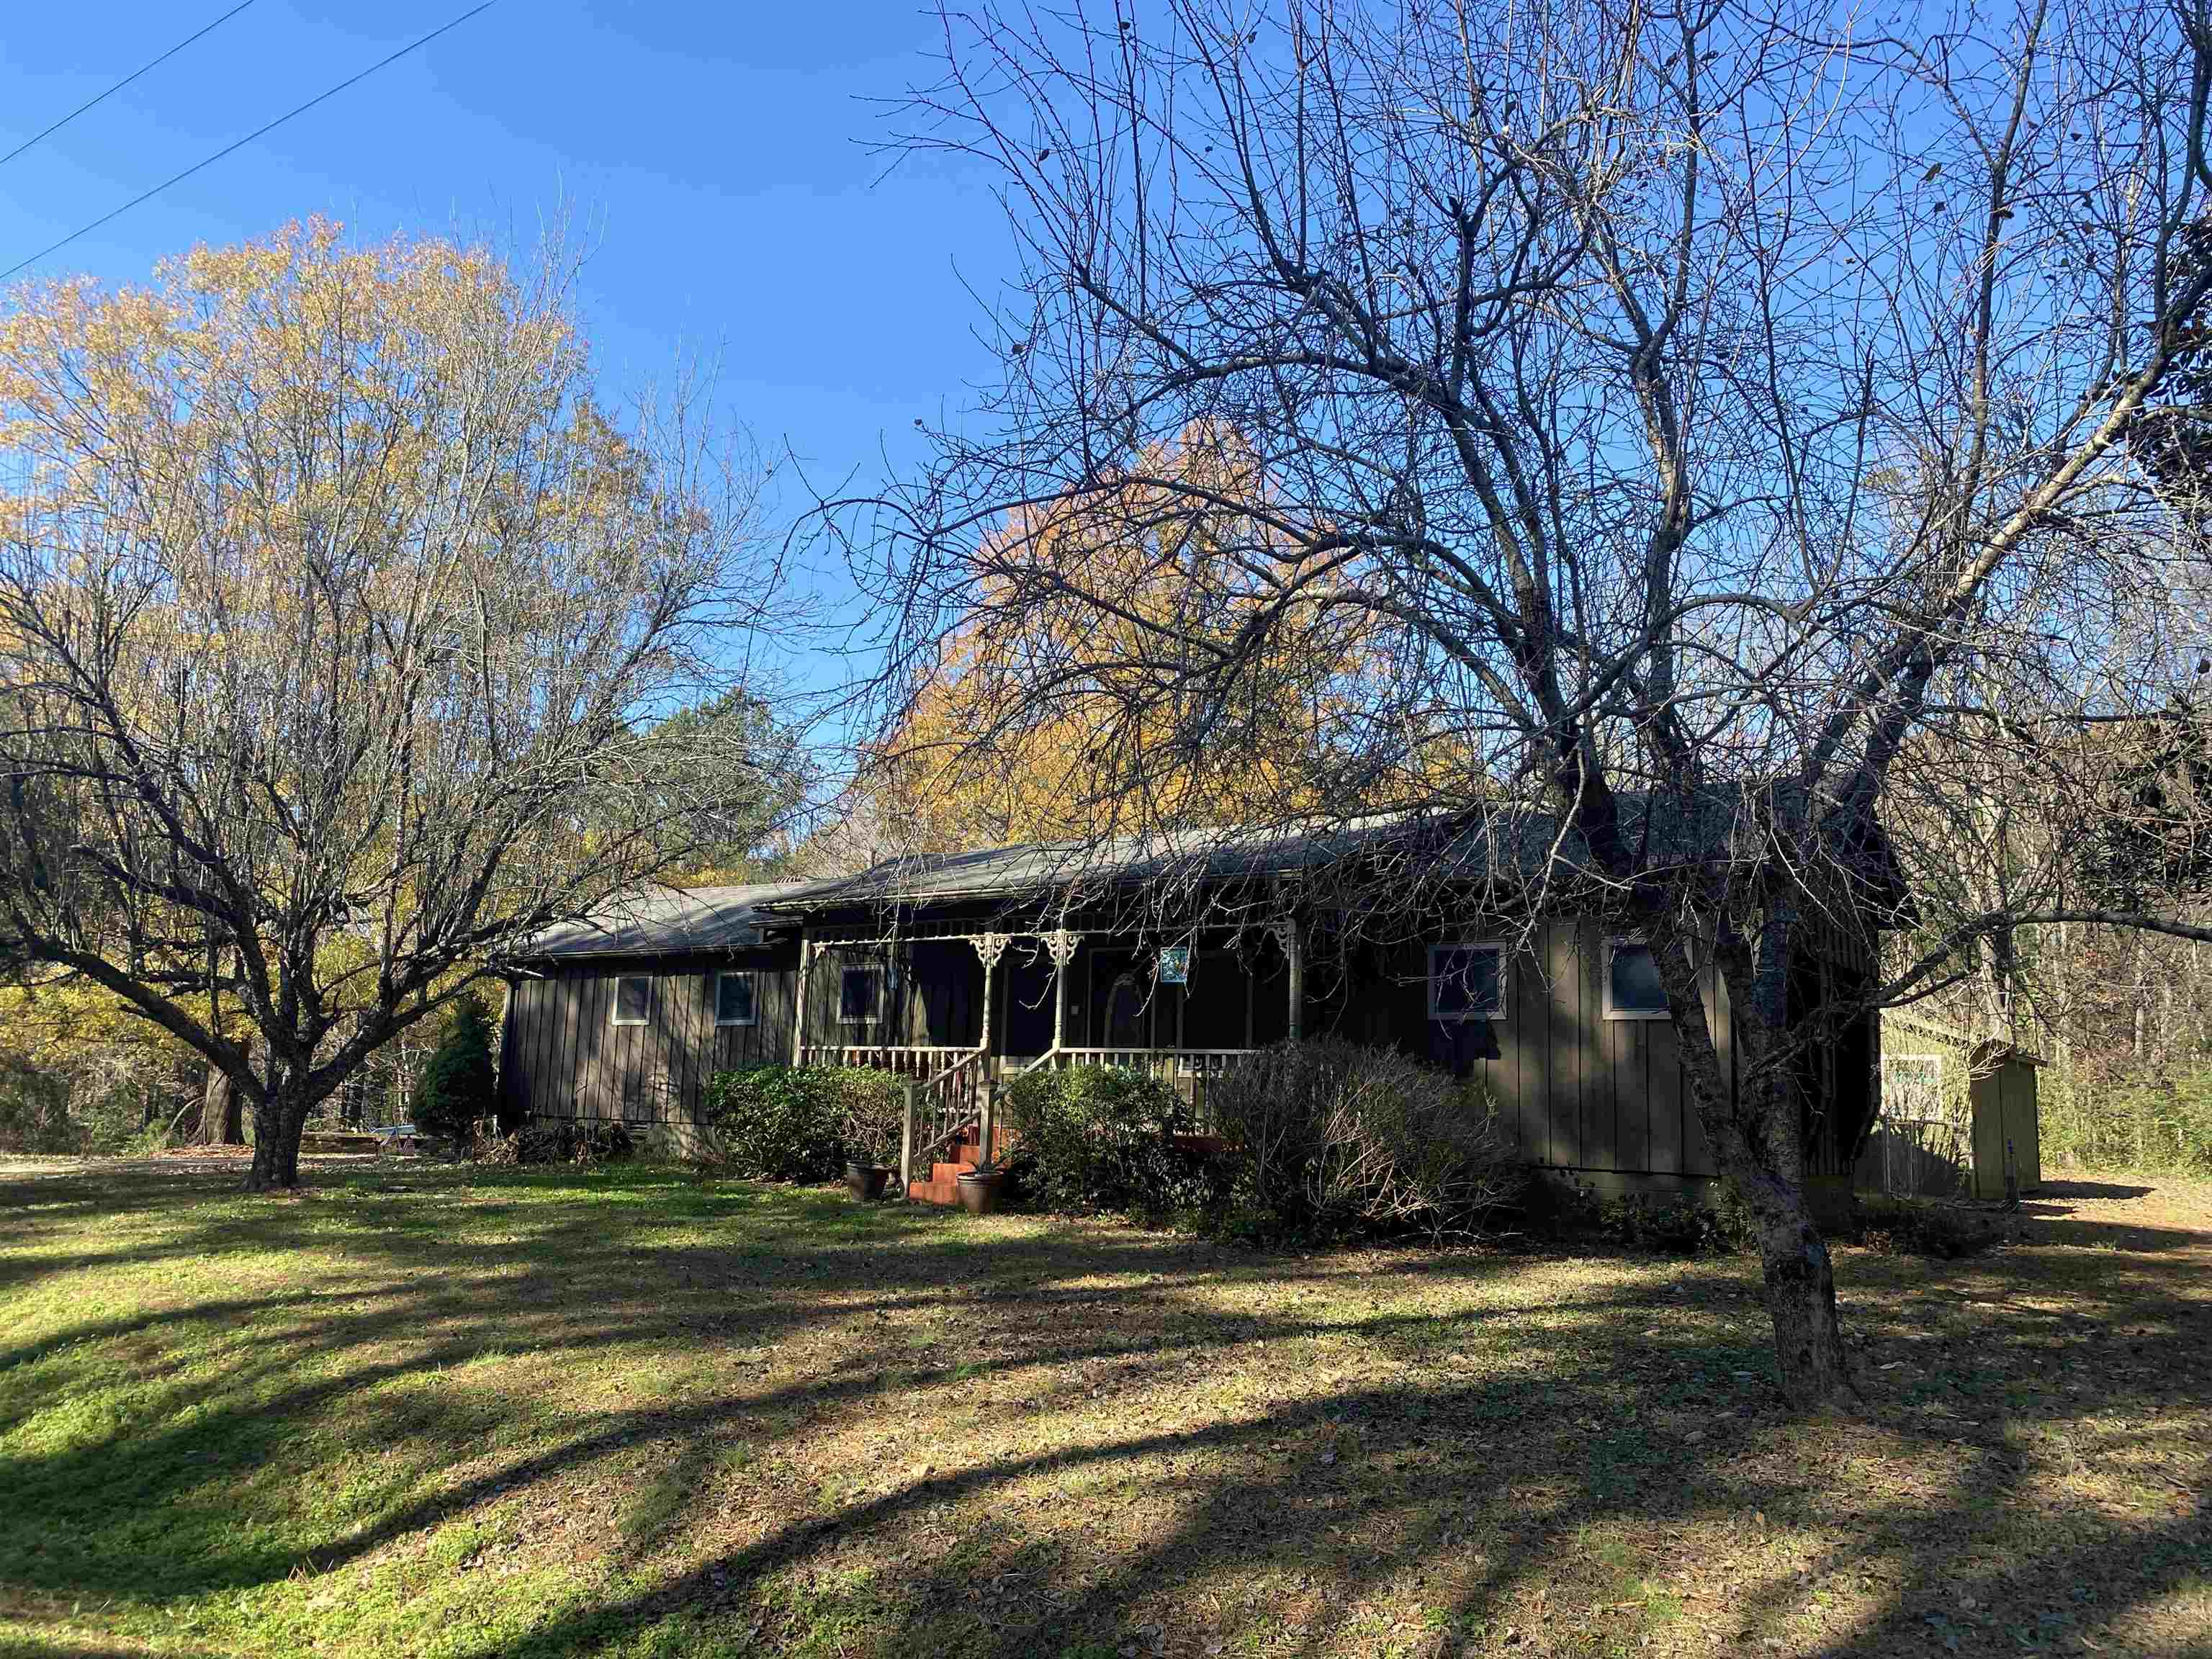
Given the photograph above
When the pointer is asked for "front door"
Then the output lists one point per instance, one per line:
(1128, 1013)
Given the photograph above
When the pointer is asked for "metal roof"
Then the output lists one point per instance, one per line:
(663, 921)
(1517, 843)
(1044, 867)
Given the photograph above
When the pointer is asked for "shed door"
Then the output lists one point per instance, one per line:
(2020, 1083)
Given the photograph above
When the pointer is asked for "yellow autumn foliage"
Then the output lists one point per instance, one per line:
(1152, 653)
(52, 1026)
(335, 607)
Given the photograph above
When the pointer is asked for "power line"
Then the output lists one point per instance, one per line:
(50, 131)
(260, 131)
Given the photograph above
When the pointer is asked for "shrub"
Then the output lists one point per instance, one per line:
(457, 1087)
(773, 1123)
(867, 1110)
(34, 1112)
(1102, 1138)
(1725, 1224)
(1331, 1138)
(1718, 1221)
(800, 1122)
(1678, 1226)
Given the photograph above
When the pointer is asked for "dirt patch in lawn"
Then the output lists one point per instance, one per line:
(432, 1411)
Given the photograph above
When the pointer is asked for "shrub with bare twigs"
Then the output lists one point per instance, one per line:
(1330, 1137)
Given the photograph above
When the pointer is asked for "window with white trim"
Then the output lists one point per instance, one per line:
(634, 999)
(1632, 990)
(734, 1003)
(860, 994)
(1466, 980)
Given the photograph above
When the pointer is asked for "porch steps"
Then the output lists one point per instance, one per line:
(942, 1186)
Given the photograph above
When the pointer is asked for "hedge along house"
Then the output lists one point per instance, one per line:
(961, 971)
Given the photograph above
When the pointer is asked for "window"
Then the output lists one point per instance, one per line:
(633, 999)
(733, 1000)
(1632, 990)
(860, 995)
(1466, 981)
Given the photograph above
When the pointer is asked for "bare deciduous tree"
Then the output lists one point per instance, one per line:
(1689, 403)
(340, 624)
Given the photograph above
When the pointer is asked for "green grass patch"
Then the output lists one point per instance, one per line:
(625, 1410)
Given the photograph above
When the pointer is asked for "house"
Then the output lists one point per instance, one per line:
(1177, 958)
(626, 1016)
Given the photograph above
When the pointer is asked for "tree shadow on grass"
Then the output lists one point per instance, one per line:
(891, 1432)
(2063, 1191)
(1289, 1525)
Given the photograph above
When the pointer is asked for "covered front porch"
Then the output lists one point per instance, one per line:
(962, 1013)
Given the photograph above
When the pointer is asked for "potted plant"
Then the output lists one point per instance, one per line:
(872, 1116)
(865, 1182)
(981, 1186)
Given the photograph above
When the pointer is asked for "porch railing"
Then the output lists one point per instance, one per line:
(949, 1097)
(1190, 1071)
(914, 1060)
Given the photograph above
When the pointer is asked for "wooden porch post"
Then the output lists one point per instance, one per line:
(1286, 930)
(799, 1012)
(990, 947)
(1060, 944)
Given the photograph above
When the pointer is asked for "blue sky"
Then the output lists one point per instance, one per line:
(720, 149)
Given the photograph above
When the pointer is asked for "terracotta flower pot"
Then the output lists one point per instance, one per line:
(866, 1181)
(980, 1190)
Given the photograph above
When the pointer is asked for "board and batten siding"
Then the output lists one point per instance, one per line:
(563, 1056)
(933, 995)
(1577, 1091)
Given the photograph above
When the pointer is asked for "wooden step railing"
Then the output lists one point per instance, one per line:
(943, 1109)
(946, 1095)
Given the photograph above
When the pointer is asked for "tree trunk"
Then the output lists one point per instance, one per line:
(222, 1112)
(279, 1118)
(1801, 1300)
(1755, 1130)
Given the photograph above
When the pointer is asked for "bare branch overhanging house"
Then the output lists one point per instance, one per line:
(1482, 946)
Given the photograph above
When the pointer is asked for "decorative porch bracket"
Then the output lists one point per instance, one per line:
(1059, 944)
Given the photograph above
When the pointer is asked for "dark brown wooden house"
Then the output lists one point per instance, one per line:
(627, 1017)
(959, 971)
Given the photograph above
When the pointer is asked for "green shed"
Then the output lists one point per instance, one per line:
(2007, 1149)
(1957, 1119)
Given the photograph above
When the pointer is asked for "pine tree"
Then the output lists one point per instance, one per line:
(459, 1086)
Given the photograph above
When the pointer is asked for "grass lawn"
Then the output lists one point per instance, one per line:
(426, 1411)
